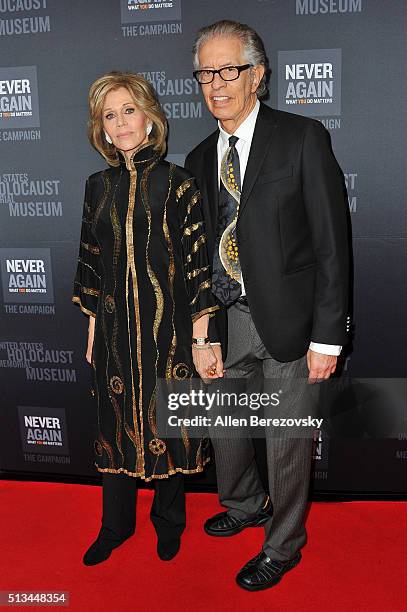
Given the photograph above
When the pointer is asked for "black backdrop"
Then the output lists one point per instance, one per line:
(50, 52)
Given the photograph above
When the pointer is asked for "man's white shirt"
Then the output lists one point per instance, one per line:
(245, 133)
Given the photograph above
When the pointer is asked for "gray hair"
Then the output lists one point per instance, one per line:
(253, 48)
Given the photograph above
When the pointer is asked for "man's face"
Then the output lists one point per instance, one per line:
(228, 101)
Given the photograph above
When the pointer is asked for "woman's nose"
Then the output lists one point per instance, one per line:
(121, 119)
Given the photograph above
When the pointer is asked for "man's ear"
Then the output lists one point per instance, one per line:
(256, 75)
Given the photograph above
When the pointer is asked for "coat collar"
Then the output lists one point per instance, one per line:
(142, 155)
(211, 177)
(261, 143)
(262, 139)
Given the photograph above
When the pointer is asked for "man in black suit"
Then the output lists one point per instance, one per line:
(275, 211)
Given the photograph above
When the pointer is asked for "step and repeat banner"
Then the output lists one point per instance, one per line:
(339, 61)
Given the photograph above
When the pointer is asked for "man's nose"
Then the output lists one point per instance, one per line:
(217, 82)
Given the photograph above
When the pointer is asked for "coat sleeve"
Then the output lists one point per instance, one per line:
(195, 259)
(327, 210)
(87, 279)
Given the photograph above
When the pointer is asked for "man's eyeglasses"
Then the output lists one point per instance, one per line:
(228, 73)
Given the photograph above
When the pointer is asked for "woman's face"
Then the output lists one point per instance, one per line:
(124, 122)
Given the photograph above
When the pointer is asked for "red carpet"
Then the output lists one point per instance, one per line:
(355, 558)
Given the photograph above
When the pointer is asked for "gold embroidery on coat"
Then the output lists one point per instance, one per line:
(194, 273)
(181, 371)
(89, 247)
(116, 385)
(83, 263)
(142, 475)
(195, 198)
(109, 303)
(171, 274)
(90, 291)
(119, 421)
(109, 451)
(192, 228)
(159, 309)
(101, 204)
(157, 446)
(105, 444)
(77, 300)
(205, 285)
(187, 443)
(197, 244)
(183, 188)
(98, 448)
(210, 311)
(131, 269)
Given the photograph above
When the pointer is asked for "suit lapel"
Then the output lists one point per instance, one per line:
(262, 138)
(211, 181)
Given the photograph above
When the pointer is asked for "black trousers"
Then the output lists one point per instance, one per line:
(119, 507)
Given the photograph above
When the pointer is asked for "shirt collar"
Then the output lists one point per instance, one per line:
(245, 130)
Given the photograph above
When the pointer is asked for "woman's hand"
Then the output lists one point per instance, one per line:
(91, 335)
(206, 362)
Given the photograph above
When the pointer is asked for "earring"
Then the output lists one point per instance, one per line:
(149, 128)
(109, 140)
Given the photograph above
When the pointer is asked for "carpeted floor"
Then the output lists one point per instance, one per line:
(355, 557)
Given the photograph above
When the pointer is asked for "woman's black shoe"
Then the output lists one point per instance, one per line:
(97, 553)
(167, 549)
(102, 547)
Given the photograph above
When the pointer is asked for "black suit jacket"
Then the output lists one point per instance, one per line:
(292, 233)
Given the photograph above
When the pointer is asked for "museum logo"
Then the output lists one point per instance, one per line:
(26, 275)
(19, 97)
(180, 96)
(43, 430)
(25, 196)
(150, 18)
(39, 362)
(327, 7)
(309, 82)
(19, 17)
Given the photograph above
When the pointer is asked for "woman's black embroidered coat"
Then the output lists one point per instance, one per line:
(143, 273)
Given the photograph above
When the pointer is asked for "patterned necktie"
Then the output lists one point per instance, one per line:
(226, 275)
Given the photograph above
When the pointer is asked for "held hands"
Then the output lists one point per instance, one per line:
(208, 361)
(320, 366)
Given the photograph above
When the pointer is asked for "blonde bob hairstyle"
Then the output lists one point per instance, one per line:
(145, 98)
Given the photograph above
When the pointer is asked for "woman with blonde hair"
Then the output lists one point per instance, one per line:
(143, 279)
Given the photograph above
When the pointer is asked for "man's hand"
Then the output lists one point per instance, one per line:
(217, 349)
(206, 361)
(320, 366)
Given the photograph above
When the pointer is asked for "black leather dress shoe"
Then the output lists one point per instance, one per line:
(167, 549)
(261, 572)
(223, 524)
(101, 549)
